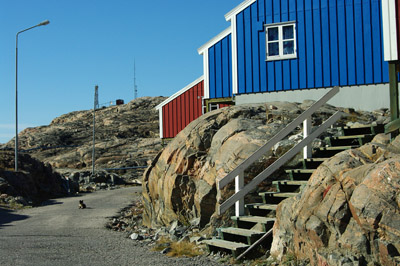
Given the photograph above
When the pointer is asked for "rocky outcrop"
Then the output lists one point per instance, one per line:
(126, 136)
(349, 212)
(34, 183)
(180, 184)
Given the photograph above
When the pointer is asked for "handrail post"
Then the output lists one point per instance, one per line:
(239, 184)
(307, 151)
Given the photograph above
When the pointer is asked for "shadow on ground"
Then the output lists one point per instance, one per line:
(9, 216)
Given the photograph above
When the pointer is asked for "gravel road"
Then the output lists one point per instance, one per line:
(59, 233)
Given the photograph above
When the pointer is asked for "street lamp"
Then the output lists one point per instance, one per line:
(46, 22)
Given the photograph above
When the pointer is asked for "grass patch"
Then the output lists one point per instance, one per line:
(178, 249)
(162, 244)
(184, 249)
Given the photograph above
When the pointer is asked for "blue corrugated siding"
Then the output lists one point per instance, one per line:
(339, 42)
(220, 68)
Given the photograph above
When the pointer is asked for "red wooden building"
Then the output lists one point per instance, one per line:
(180, 109)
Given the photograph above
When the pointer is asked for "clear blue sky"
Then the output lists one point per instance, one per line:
(91, 42)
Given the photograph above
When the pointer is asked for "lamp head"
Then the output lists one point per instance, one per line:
(46, 22)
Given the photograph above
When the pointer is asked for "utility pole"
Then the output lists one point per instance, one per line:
(96, 104)
(134, 80)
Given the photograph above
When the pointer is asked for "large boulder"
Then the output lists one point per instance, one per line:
(180, 184)
(34, 183)
(349, 212)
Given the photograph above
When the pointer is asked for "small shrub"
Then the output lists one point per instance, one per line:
(162, 244)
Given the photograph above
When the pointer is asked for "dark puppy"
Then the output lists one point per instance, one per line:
(82, 205)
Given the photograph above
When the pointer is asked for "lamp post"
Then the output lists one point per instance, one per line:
(46, 22)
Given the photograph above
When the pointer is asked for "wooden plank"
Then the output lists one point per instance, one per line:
(226, 88)
(342, 46)
(351, 56)
(317, 44)
(262, 206)
(277, 164)
(278, 194)
(248, 51)
(225, 244)
(310, 71)
(334, 43)
(290, 182)
(255, 244)
(212, 71)
(241, 231)
(304, 171)
(253, 219)
(301, 50)
(392, 126)
(394, 92)
(218, 70)
(283, 133)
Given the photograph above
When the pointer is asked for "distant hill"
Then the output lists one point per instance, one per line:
(126, 136)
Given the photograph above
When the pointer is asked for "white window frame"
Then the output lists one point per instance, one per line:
(280, 26)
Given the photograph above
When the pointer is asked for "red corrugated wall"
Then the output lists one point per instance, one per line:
(185, 108)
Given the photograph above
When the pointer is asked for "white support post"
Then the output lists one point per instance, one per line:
(239, 184)
(306, 132)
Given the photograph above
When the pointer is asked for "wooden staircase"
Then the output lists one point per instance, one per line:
(260, 216)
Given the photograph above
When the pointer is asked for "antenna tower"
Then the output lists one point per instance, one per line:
(134, 79)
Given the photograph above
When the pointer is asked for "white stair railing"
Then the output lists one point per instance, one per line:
(238, 172)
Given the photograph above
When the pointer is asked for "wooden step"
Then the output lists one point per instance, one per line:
(241, 232)
(367, 129)
(299, 174)
(290, 182)
(349, 140)
(278, 194)
(312, 162)
(262, 206)
(247, 236)
(330, 151)
(289, 185)
(300, 171)
(235, 247)
(337, 148)
(253, 219)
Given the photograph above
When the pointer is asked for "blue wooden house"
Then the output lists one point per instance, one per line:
(293, 50)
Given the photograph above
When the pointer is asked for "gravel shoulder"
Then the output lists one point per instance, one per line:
(59, 233)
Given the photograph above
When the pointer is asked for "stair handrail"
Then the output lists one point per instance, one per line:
(238, 172)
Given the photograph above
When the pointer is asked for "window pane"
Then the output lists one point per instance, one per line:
(288, 47)
(273, 49)
(273, 34)
(288, 32)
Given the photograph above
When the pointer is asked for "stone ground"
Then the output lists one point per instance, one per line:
(58, 233)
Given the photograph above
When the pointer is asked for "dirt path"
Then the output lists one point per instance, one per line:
(59, 233)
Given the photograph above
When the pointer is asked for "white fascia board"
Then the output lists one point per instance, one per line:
(234, 57)
(175, 95)
(214, 40)
(389, 30)
(206, 73)
(242, 6)
(160, 123)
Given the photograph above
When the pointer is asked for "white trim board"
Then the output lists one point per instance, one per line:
(365, 97)
(175, 95)
(389, 30)
(214, 40)
(238, 9)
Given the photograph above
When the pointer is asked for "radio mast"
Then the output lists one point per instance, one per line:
(134, 80)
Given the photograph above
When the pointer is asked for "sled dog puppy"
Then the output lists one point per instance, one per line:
(82, 205)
